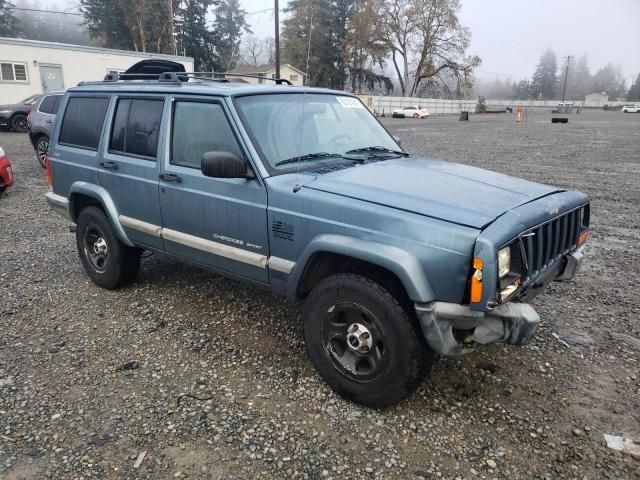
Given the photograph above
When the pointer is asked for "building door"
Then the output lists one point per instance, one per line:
(51, 76)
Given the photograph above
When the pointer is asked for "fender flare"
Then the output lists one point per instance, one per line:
(102, 196)
(402, 263)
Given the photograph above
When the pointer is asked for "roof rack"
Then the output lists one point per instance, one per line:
(181, 77)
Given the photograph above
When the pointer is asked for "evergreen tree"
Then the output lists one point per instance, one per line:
(8, 23)
(229, 25)
(545, 78)
(322, 25)
(582, 79)
(194, 37)
(140, 25)
(633, 94)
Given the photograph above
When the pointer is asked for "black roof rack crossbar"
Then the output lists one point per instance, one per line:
(180, 77)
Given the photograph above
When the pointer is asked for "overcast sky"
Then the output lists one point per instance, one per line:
(510, 35)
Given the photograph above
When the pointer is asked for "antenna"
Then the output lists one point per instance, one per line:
(304, 98)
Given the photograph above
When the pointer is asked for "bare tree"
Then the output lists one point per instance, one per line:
(252, 50)
(270, 49)
(428, 35)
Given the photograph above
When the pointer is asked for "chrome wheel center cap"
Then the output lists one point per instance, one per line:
(100, 246)
(359, 338)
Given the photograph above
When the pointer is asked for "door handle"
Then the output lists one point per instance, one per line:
(170, 177)
(49, 121)
(109, 165)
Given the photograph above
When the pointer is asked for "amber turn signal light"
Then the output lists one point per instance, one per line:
(583, 238)
(476, 281)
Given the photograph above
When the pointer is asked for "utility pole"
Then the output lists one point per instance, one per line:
(172, 32)
(566, 74)
(277, 36)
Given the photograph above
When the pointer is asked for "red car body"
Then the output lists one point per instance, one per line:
(6, 173)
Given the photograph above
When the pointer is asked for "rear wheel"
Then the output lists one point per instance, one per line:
(363, 343)
(42, 147)
(107, 261)
(19, 122)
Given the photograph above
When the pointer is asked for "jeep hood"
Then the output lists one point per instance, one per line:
(448, 191)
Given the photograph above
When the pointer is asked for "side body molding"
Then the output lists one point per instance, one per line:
(402, 263)
(101, 195)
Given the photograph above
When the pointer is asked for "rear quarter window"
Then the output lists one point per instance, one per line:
(83, 121)
(50, 104)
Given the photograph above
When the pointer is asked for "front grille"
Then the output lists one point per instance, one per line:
(543, 245)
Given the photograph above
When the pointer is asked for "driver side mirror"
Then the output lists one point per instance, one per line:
(224, 165)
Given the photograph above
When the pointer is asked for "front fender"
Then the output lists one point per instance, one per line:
(403, 264)
(102, 196)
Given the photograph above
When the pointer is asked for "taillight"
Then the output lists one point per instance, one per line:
(47, 163)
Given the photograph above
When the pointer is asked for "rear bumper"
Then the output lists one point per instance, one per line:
(59, 204)
(452, 329)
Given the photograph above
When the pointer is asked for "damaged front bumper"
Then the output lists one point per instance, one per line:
(451, 329)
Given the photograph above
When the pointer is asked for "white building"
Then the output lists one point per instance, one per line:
(29, 67)
(597, 97)
(268, 70)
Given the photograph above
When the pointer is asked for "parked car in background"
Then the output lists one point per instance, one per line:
(40, 122)
(6, 172)
(630, 109)
(14, 116)
(415, 112)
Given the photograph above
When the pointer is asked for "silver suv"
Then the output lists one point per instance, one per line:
(40, 123)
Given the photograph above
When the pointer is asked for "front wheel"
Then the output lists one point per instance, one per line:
(107, 261)
(42, 147)
(415, 115)
(363, 343)
(19, 122)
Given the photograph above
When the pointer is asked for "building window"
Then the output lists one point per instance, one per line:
(13, 72)
(293, 78)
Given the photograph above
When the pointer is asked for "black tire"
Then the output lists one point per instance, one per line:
(19, 122)
(395, 363)
(41, 147)
(107, 261)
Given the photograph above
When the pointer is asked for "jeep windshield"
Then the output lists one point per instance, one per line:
(313, 128)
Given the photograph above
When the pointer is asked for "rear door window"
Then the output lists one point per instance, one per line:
(83, 121)
(50, 104)
(136, 126)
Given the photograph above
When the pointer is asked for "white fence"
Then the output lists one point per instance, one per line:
(435, 106)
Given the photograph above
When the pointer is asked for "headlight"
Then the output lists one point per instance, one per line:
(504, 261)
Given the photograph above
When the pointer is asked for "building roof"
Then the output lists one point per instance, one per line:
(85, 48)
(258, 69)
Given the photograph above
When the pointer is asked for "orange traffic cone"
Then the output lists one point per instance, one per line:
(518, 117)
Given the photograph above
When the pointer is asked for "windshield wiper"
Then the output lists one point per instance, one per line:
(311, 156)
(377, 149)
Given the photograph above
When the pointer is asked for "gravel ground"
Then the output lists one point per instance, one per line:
(209, 377)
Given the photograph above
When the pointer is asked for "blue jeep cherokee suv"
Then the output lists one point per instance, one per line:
(303, 191)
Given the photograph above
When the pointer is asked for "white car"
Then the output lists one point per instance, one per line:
(415, 112)
(630, 109)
